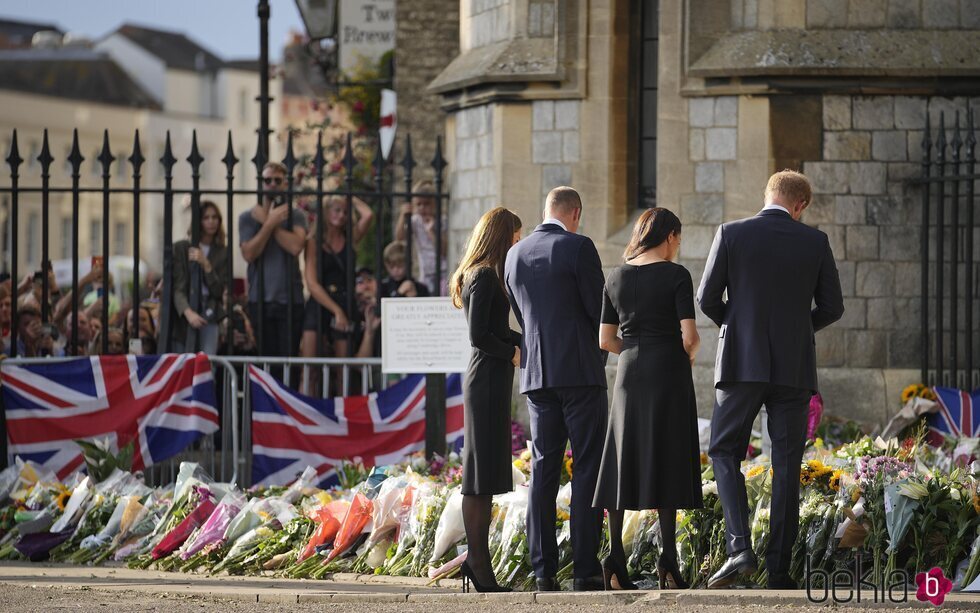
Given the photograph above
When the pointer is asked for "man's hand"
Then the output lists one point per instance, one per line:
(372, 321)
(276, 216)
(516, 360)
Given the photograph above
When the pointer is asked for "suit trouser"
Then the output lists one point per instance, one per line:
(559, 415)
(736, 406)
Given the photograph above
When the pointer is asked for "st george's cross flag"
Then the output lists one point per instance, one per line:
(163, 402)
(957, 415)
(291, 431)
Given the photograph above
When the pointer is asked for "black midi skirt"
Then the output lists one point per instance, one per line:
(651, 457)
(487, 387)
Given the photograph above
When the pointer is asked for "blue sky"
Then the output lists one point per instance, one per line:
(229, 28)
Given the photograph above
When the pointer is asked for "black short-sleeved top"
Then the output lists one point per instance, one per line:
(648, 300)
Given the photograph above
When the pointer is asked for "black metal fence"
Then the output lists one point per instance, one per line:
(379, 193)
(949, 254)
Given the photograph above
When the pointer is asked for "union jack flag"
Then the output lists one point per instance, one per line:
(164, 402)
(958, 414)
(291, 431)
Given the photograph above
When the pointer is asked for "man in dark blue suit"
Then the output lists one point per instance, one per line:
(773, 269)
(554, 279)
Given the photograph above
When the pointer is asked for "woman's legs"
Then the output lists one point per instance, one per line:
(668, 530)
(616, 535)
(476, 520)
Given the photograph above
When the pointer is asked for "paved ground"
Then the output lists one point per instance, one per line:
(40, 587)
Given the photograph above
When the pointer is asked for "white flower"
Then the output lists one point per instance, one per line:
(709, 487)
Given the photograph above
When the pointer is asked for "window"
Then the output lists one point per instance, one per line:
(121, 238)
(66, 228)
(33, 241)
(122, 164)
(243, 106)
(95, 236)
(647, 111)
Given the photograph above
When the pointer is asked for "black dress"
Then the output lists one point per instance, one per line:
(333, 279)
(487, 387)
(651, 458)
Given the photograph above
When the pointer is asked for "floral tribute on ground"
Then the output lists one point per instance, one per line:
(899, 504)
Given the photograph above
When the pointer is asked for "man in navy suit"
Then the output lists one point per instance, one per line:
(773, 268)
(554, 279)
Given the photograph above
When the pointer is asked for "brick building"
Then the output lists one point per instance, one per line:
(690, 105)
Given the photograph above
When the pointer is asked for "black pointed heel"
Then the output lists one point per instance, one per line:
(469, 578)
(613, 569)
(670, 575)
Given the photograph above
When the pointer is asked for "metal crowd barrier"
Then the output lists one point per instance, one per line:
(317, 377)
(227, 454)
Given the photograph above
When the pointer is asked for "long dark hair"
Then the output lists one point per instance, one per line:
(492, 237)
(650, 230)
(219, 236)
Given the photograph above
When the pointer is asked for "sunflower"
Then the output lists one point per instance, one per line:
(568, 466)
(562, 515)
(755, 471)
(834, 482)
(806, 477)
(910, 392)
(62, 499)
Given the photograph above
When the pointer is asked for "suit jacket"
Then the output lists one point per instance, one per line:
(554, 282)
(214, 280)
(774, 269)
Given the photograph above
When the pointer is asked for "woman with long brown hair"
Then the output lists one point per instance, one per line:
(197, 330)
(651, 459)
(477, 287)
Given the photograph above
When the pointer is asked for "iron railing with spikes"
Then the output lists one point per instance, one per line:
(381, 193)
(950, 339)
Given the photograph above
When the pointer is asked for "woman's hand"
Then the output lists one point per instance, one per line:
(516, 360)
(196, 321)
(340, 321)
(196, 255)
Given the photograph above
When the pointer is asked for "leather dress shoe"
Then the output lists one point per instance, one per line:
(741, 563)
(548, 584)
(589, 584)
(781, 581)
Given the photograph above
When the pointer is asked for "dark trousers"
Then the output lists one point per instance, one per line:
(736, 406)
(272, 333)
(560, 415)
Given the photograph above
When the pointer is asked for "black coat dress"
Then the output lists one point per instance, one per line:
(487, 387)
(651, 458)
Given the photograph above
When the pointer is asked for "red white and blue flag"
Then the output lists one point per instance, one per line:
(958, 414)
(164, 402)
(291, 431)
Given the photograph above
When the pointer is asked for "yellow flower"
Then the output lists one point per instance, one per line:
(568, 466)
(519, 464)
(834, 482)
(755, 471)
(704, 458)
(927, 393)
(910, 392)
(526, 455)
(806, 477)
(562, 515)
(63, 499)
(818, 443)
(856, 495)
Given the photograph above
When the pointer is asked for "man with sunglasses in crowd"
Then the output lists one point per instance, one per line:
(269, 241)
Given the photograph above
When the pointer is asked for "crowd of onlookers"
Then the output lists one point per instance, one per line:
(286, 271)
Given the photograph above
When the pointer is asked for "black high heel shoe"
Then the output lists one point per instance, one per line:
(670, 575)
(613, 569)
(469, 577)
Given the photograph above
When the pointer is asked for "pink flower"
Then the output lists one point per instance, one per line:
(932, 586)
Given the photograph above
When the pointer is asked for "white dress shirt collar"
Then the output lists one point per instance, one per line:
(776, 207)
(558, 223)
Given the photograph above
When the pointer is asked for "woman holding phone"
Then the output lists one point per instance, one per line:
(197, 329)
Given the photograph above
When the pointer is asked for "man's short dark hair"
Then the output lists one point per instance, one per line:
(564, 199)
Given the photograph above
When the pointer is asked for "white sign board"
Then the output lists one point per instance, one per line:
(366, 32)
(423, 335)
